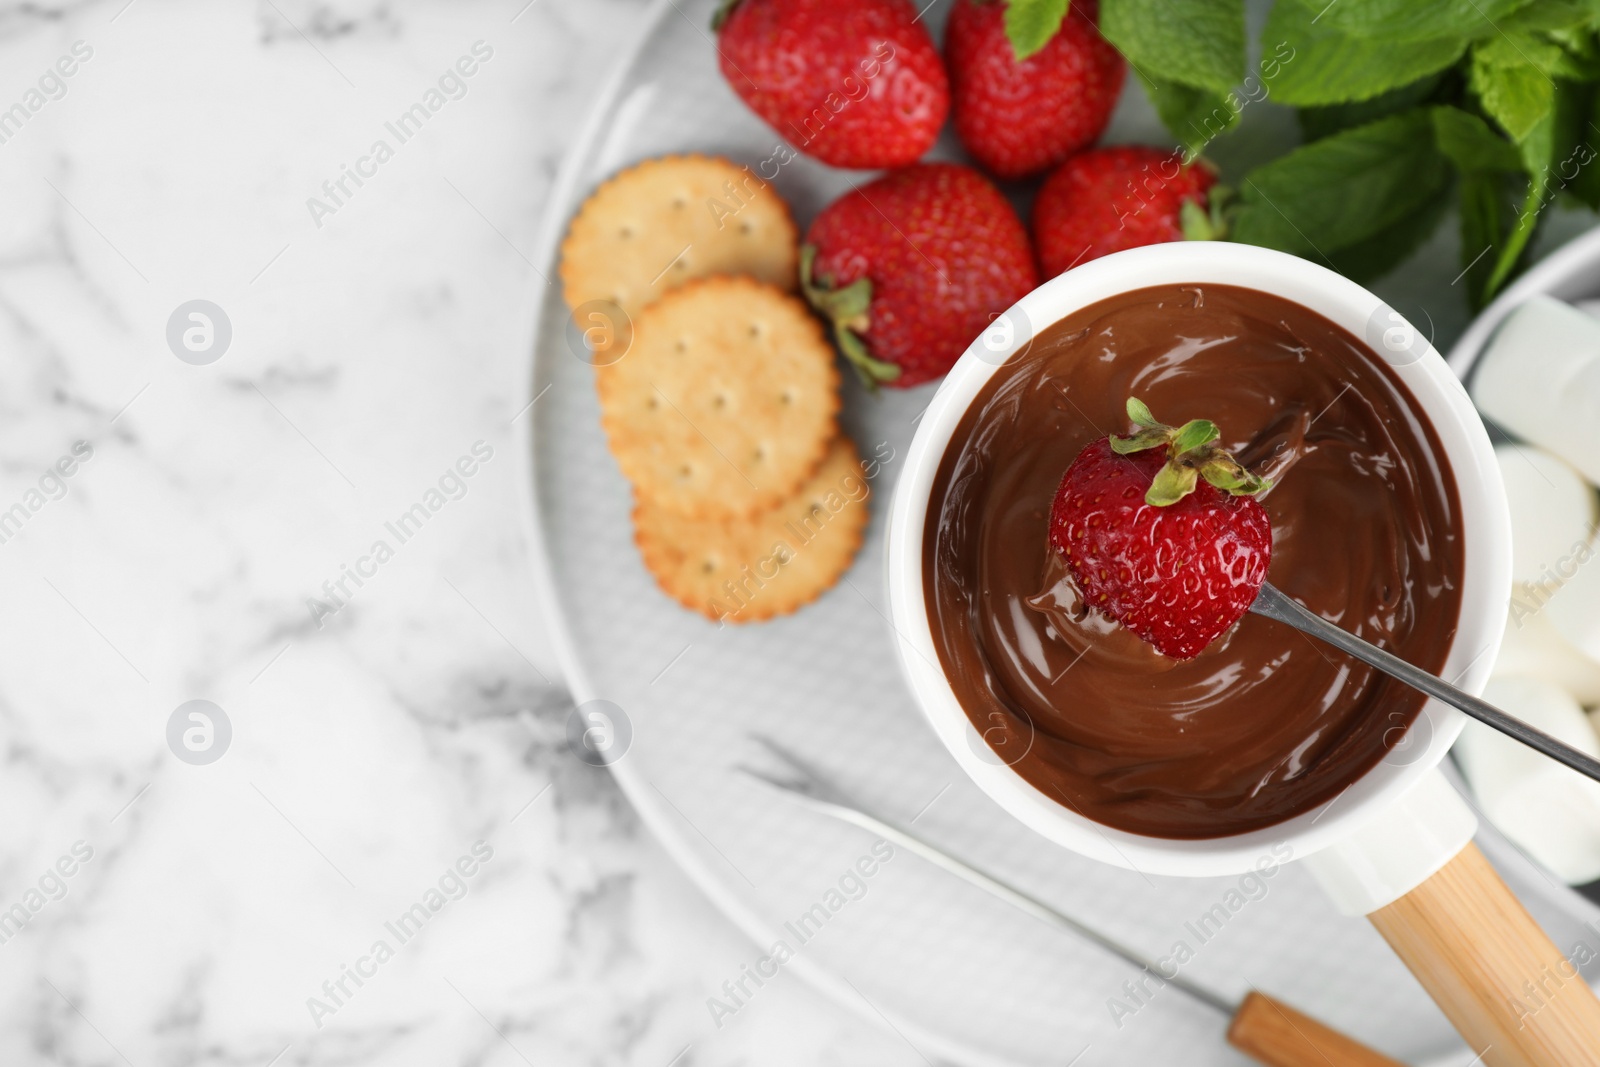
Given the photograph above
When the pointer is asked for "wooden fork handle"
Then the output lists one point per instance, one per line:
(1497, 976)
(1280, 1036)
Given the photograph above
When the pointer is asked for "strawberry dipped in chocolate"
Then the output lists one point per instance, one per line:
(1161, 531)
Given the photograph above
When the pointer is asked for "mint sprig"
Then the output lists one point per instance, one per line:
(1407, 109)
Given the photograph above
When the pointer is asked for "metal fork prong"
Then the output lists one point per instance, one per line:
(817, 783)
(852, 813)
(787, 785)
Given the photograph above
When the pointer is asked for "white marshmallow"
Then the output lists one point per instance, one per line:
(1574, 608)
(1549, 810)
(1552, 513)
(1539, 378)
(1533, 647)
(1589, 307)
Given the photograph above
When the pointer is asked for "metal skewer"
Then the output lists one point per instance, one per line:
(1273, 603)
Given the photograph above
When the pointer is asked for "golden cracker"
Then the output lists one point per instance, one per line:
(746, 570)
(726, 400)
(666, 221)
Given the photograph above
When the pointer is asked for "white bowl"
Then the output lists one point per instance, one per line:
(1439, 395)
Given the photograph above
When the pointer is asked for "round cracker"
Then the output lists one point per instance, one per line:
(726, 400)
(667, 221)
(746, 570)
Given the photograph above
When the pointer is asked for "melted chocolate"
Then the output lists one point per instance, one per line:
(1265, 723)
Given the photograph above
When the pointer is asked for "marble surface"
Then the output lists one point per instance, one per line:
(193, 529)
(393, 742)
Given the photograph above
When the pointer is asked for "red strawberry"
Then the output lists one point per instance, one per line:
(1108, 199)
(1162, 533)
(914, 266)
(1021, 117)
(855, 83)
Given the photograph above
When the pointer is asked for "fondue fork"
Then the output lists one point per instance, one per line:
(1273, 603)
(1262, 1027)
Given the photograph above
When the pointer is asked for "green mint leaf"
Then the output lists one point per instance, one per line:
(1516, 95)
(1170, 485)
(1031, 23)
(1193, 434)
(1546, 151)
(1551, 16)
(1525, 48)
(1194, 116)
(1471, 145)
(1199, 43)
(1374, 258)
(1412, 20)
(1139, 414)
(1335, 193)
(1332, 66)
(1483, 199)
(1579, 171)
(1319, 122)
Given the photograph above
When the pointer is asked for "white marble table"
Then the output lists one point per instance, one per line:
(196, 551)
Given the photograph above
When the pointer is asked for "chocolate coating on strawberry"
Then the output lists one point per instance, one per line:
(1161, 531)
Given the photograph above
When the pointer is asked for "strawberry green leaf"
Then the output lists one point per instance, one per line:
(1198, 224)
(870, 370)
(1226, 474)
(847, 310)
(1138, 413)
(1139, 442)
(1197, 42)
(1193, 434)
(1031, 23)
(1170, 485)
(724, 9)
(1320, 64)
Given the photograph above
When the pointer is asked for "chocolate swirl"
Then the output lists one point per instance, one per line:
(1265, 723)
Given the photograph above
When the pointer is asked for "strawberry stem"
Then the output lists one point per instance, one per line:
(1192, 453)
(846, 310)
(1209, 223)
(724, 9)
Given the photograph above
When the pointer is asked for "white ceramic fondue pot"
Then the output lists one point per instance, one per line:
(1396, 846)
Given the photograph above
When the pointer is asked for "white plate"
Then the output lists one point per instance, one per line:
(959, 975)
